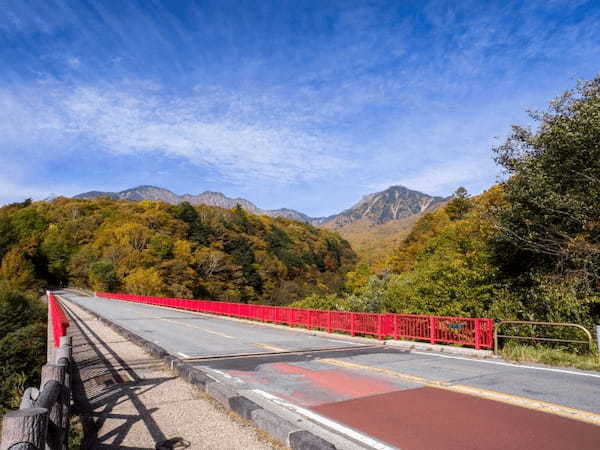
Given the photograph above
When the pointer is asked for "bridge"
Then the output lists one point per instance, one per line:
(314, 389)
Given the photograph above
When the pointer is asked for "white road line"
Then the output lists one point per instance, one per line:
(346, 342)
(327, 422)
(516, 366)
(183, 355)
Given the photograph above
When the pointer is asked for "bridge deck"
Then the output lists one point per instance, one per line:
(405, 399)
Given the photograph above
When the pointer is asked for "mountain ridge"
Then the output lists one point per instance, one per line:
(378, 208)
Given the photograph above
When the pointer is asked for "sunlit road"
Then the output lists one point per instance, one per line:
(381, 396)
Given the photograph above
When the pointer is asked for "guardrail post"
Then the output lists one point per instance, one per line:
(379, 326)
(396, 334)
(352, 332)
(329, 321)
(25, 427)
(432, 329)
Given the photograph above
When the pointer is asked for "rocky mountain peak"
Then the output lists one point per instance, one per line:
(394, 203)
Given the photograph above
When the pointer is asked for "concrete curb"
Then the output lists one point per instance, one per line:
(282, 429)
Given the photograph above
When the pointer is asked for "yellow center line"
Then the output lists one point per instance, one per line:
(270, 347)
(180, 323)
(538, 405)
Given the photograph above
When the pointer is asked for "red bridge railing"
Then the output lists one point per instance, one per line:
(58, 320)
(473, 332)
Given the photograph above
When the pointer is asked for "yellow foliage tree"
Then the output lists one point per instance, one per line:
(16, 270)
(144, 282)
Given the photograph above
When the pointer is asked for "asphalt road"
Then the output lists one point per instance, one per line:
(410, 400)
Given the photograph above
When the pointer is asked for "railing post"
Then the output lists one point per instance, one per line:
(396, 335)
(477, 334)
(52, 397)
(25, 426)
(432, 329)
(352, 332)
(64, 356)
(329, 321)
(379, 326)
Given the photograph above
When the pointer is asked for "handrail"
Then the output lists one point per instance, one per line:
(534, 338)
(57, 319)
(467, 331)
(42, 420)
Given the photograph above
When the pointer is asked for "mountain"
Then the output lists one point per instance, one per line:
(205, 198)
(380, 222)
(395, 203)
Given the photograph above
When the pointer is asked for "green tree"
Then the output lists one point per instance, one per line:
(550, 222)
(18, 310)
(22, 354)
(102, 276)
(460, 204)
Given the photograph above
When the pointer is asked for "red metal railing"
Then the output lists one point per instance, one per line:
(478, 333)
(58, 319)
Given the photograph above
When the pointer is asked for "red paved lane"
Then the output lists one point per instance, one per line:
(428, 418)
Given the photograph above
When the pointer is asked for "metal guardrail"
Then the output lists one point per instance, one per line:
(535, 338)
(473, 332)
(42, 420)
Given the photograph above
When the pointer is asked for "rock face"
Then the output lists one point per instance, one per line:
(395, 203)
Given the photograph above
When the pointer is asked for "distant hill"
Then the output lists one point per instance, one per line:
(205, 198)
(157, 248)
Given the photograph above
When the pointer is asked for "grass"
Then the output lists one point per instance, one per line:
(552, 356)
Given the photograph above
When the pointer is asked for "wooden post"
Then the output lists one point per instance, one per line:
(29, 398)
(65, 356)
(25, 426)
(52, 397)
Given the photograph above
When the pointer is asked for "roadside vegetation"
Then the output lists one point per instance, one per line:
(23, 337)
(526, 249)
(565, 356)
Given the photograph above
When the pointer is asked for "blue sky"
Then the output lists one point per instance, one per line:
(299, 104)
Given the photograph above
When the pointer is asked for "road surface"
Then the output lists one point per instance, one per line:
(379, 395)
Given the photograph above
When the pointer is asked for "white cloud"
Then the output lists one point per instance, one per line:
(445, 178)
(243, 139)
(238, 145)
(74, 62)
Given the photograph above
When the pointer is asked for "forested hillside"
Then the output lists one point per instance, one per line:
(528, 248)
(155, 248)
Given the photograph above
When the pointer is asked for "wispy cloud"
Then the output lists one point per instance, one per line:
(206, 128)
